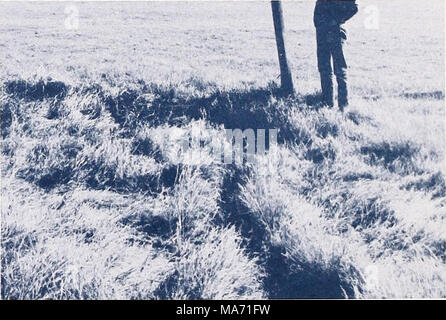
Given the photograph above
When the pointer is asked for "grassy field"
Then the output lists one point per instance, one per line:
(97, 200)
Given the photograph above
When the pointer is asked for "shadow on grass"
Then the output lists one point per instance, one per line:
(6, 118)
(434, 183)
(286, 281)
(155, 105)
(235, 109)
(389, 154)
(36, 91)
(283, 279)
(98, 175)
(104, 178)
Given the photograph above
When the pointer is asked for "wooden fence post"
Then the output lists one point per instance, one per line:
(286, 80)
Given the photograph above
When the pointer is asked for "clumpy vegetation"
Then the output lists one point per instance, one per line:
(96, 205)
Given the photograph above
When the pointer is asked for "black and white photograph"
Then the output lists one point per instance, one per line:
(223, 150)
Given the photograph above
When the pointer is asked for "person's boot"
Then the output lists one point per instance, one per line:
(342, 94)
(327, 90)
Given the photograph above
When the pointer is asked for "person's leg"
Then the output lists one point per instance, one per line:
(324, 66)
(340, 70)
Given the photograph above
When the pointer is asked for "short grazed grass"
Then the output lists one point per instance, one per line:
(98, 202)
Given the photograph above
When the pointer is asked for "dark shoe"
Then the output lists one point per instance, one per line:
(327, 99)
(342, 92)
(327, 104)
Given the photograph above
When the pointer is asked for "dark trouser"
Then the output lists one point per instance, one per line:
(330, 43)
